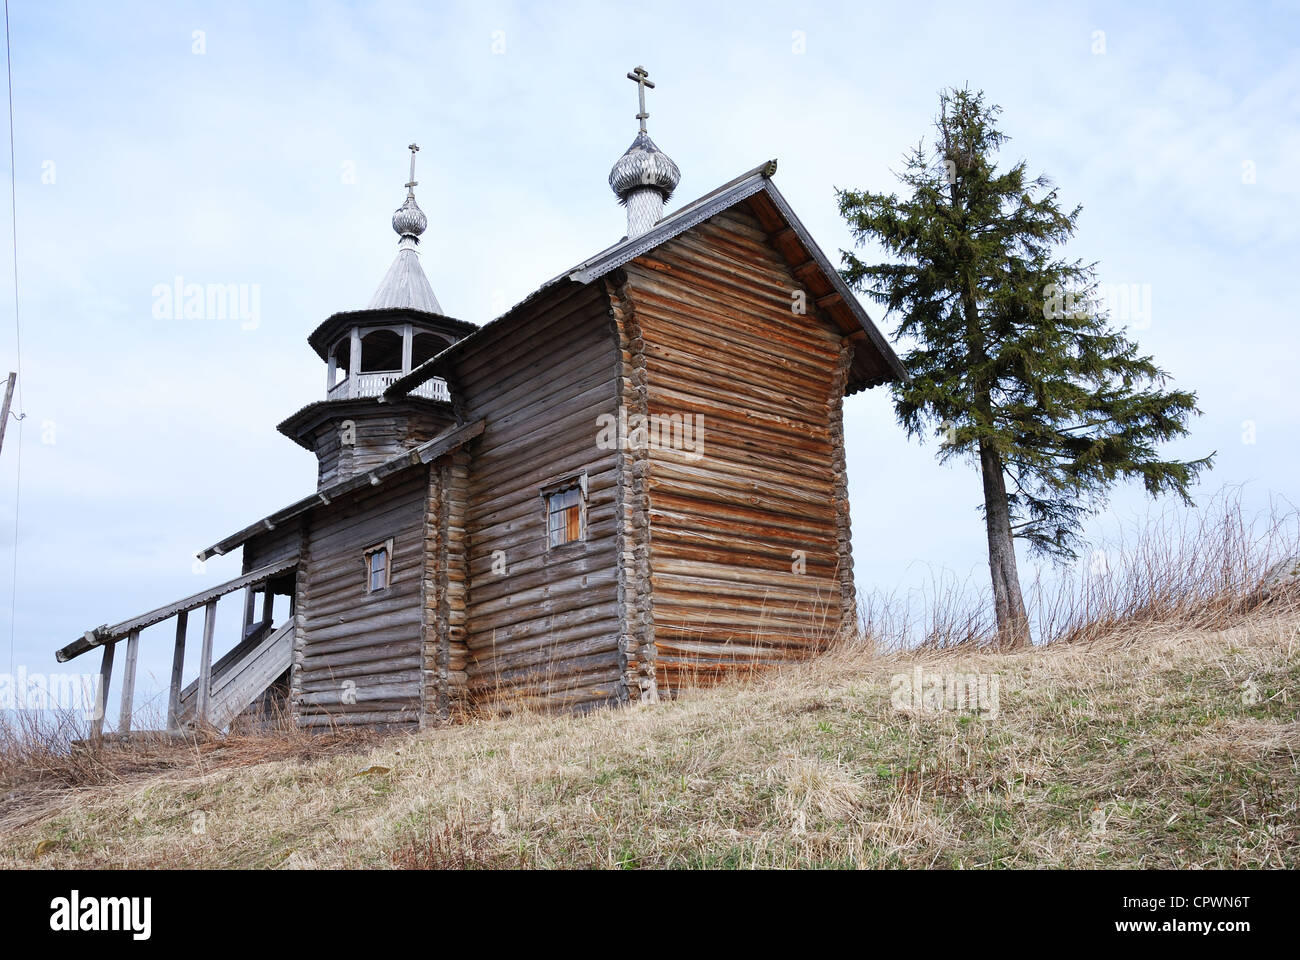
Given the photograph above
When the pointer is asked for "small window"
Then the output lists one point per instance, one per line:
(566, 511)
(379, 566)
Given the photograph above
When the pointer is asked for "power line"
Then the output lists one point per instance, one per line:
(18, 341)
(13, 215)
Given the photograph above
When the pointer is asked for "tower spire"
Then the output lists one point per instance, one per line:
(405, 286)
(643, 178)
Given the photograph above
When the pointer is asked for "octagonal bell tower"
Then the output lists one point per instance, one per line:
(354, 429)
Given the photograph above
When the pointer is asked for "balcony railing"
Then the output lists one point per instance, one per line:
(373, 384)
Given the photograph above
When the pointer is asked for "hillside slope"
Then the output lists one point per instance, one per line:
(1159, 748)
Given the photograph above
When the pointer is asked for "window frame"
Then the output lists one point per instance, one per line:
(577, 481)
(387, 547)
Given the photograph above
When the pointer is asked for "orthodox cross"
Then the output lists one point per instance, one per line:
(642, 78)
(410, 187)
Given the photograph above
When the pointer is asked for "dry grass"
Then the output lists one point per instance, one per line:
(1156, 747)
(1159, 729)
(47, 759)
(1201, 567)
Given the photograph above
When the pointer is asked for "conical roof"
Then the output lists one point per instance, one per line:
(405, 287)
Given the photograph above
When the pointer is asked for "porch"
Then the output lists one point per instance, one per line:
(223, 689)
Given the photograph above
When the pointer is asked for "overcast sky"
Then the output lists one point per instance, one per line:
(265, 145)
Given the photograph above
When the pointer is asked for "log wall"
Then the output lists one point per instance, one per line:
(635, 600)
(379, 435)
(446, 577)
(749, 541)
(358, 656)
(541, 624)
(273, 546)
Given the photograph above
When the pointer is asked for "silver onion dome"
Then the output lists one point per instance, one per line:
(409, 220)
(644, 165)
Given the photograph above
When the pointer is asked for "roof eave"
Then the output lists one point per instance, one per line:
(319, 342)
(837, 283)
(423, 454)
(298, 424)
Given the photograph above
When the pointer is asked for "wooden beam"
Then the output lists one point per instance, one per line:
(101, 694)
(128, 683)
(766, 212)
(268, 604)
(204, 693)
(103, 635)
(802, 269)
(178, 669)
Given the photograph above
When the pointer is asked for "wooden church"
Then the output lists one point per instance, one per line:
(631, 481)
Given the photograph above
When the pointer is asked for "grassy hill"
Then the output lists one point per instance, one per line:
(1152, 745)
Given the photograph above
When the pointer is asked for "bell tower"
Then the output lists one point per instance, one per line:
(354, 429)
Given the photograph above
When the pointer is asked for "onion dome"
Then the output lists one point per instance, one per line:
(644, 165)
(409, 220)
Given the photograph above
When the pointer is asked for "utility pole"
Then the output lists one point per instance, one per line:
(4, 414)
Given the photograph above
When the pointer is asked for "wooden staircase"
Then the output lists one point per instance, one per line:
(241, 676)
(225, 689)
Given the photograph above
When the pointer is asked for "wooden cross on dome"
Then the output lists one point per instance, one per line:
(642, 78)
(410, 187)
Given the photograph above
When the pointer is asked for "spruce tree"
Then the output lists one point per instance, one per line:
(1014, 362)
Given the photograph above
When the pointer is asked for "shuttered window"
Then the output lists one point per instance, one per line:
(565, 514)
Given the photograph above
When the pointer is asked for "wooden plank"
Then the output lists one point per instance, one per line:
(116, 632)
(240, 677)
(205, 664)
(128, 682)
(101, 694)
(250, 677)
(178, 668)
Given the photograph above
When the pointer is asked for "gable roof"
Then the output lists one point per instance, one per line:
(874, 359)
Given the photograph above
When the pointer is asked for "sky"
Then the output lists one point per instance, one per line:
(264, 145)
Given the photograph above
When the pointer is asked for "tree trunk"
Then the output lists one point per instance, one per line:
(1008, 603)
